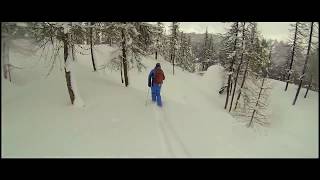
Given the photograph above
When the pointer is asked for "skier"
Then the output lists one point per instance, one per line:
(155, 80)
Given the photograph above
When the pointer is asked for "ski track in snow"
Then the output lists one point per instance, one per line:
(176, 136)
(167, 147)
(166, 129)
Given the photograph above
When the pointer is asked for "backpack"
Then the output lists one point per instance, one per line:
(158, 76)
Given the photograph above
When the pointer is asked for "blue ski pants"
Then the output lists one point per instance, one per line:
(155, 94)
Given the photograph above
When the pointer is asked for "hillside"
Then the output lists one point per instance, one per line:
(39, 121)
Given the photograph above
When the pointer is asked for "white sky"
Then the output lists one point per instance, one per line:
(269, 30)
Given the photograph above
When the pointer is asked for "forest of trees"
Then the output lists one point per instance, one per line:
(250, 60)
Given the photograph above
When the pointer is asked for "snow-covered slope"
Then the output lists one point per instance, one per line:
(39, 121)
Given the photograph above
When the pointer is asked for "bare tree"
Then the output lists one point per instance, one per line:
(133, 40)
(305, 64)
(5, 49)
(67, 72)
(251, 52)
(173, 43)
(296, 49)
(239, 66)
(45, 32)
(159, 37)
(259, 110)
(91, 47)
(124, 57)
(236, 30)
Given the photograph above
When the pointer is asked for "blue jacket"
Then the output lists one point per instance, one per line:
(151, 78)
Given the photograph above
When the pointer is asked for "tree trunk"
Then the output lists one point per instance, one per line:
(254, 111)
(157, 48)
(124, 58)
(238, 70)
(6, 53)
(173, 57)
(231, 70)
(121, 72)
(86, 35)
(230, 88)
(4, 57)
(73, 55)
(308, 87)
(292, 55)
(91, 47)
(7, 62)
(243, 80)
(68, 74)
(235, 83)
(305, 65)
